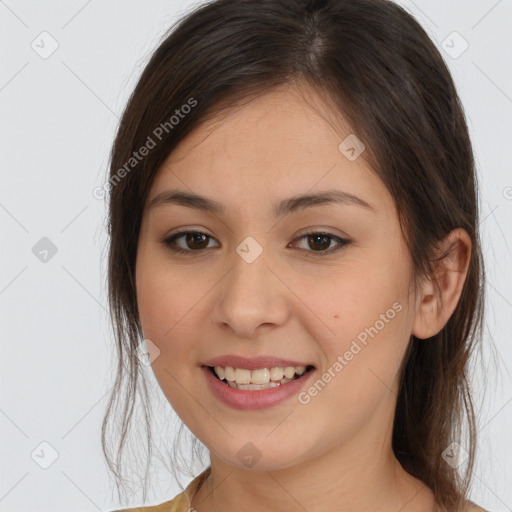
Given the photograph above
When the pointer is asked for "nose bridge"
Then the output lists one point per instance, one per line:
(250, 293)
(249, 275)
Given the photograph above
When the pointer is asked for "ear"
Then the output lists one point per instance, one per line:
(439, 294)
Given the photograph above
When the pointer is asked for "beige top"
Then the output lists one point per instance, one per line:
(182, 502)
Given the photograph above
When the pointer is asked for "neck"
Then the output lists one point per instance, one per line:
(346, 478)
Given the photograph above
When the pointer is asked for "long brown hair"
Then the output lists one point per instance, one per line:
(377, 65)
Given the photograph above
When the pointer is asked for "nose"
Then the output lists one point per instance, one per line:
(252, 298)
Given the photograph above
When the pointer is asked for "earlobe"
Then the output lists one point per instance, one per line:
(440, 294)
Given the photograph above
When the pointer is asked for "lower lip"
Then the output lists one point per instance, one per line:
(257, 399)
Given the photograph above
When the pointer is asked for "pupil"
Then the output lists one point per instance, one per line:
(194, 240)
(324, 237)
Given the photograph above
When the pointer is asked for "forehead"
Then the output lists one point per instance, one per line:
(282, 143)
(287, 122)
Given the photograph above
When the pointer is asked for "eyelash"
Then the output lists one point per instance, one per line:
(170, 243)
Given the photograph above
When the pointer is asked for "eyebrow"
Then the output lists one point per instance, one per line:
(285, 207)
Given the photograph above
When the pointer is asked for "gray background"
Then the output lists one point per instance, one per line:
(57, 120)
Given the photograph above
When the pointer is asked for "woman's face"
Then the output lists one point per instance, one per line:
(254, 286)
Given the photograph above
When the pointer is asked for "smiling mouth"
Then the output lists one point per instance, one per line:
(263, 378)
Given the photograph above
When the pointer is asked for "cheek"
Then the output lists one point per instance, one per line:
(361, 324)
(342, 302)
(166, 296)
(171, 302)
(167, 319)
(166, 310)
(360, 371)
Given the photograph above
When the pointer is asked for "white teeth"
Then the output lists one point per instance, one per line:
(289, 372)
(252, 387)
(220, 372)
(229, 372)
(242, 376)
(276, 373)
(260, 378)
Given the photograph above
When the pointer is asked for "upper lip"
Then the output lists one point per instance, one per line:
(252, 363)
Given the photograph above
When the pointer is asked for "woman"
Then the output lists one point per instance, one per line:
(293, 225)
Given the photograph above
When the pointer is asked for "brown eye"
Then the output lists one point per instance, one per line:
(318, 243)
(194, 241)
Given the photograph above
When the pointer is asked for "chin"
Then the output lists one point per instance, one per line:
(254, 456)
